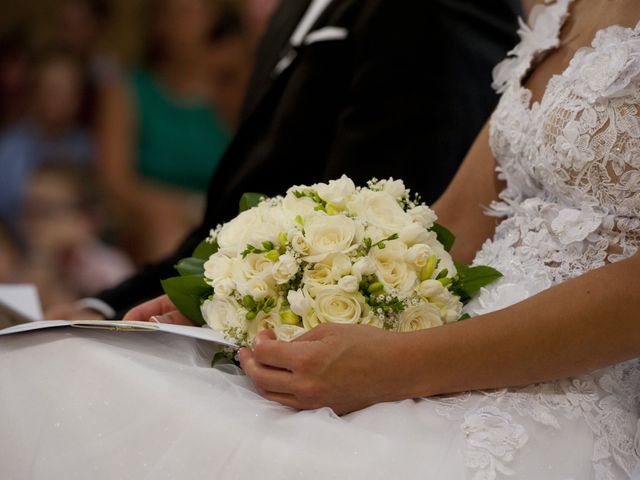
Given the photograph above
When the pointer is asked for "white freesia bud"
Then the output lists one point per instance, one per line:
(217, 267)
(423, 215)
(336, 192)
(298, 242)
(419, 317)
(414, 233)
(284, 269)
(333, 305)
(418, 255)
(328, 234)
(299, 301)
(349, 284)
(363, 267)
(430, 289)
(395, 188)
(224, 287)
(222, 313)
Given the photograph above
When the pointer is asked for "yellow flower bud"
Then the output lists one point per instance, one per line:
(429, 268)
(272, 255)
(289, 318)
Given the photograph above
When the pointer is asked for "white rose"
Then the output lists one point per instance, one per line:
(256, 288)
(336, 192)
(430, 289)
(222, 313)
(300, 302)
(414, 233)
(423, 215)
(284, 269)
(295, 206)
(257, 265)
(217, 267)
(224, 287)
(392, 269)
(276, 219)
(236, 234)
(319, 275)
(332, 305)
(288, 333)
(418, 255)
(298, 242)
(395, 188)
(349, 284)
(419, 317)
(363, 267)
(380, 210)
(328, 234)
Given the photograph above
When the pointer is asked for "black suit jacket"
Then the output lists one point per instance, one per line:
(403, 95)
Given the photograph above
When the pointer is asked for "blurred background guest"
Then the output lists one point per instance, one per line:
(62, 225)
(52, 130)
(11, 267)
(15, 75)
(160, 135)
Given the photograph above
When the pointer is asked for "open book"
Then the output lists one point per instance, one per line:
(14, 321)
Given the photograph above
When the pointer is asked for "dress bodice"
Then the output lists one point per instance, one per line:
(571, 161)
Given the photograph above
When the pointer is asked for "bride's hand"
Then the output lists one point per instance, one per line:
(344, 367)
(159, 309)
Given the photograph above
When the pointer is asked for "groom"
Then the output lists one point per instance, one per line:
(358, 87)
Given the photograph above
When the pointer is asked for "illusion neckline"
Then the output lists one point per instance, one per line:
(527, 96)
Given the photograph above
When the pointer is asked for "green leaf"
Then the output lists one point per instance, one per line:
(464, 316)
(445, 237)
(471, 279)
(190, 266)
(250, 200)
(187, 294)
(205, 249)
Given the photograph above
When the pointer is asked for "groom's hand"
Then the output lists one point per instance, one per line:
(344, 367)
(159, 309)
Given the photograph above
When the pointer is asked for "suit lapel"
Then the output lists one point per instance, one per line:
(284, 21)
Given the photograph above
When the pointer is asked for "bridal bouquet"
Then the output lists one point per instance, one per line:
(326, 253)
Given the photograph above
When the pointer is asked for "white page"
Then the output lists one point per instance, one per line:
(22, 298)
(114, 326)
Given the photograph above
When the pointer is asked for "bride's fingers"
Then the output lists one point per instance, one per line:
(285, 399)
(265, 378)
(285, 355)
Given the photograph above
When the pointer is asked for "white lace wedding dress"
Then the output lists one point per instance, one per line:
(147, 406)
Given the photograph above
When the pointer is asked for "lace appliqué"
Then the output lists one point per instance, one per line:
(572, 204)
(492, 439)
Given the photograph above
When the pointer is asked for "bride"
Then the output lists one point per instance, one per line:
(565, 141)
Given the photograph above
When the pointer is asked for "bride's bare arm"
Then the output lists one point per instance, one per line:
(461, 207)
(573, 328)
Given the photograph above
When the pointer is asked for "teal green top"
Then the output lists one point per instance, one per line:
(179, 143)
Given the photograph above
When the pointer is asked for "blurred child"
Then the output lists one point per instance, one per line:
(66, 258)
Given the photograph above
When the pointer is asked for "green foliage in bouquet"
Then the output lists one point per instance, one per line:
(189, 290)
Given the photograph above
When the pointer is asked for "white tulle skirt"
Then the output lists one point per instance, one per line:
(92, 405)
